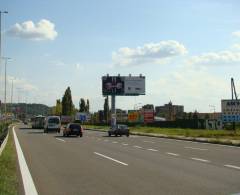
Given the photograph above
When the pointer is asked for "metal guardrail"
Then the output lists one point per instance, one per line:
(3, 134)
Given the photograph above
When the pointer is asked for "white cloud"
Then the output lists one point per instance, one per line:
(236, 46)
(193, 88)
(79, 66)
(236, 34)
(149, 53)
(216, 58)
(43, 30)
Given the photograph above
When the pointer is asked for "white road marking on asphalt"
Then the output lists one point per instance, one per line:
(137, 146)
(173, 154)
(28, 183)
(106, 140)
(114, 142)
(195, 148)
(199, 159)
(107, 157)
(232, 166)
(62, 140)
(149, 142)
(124, 144)
(152, 150)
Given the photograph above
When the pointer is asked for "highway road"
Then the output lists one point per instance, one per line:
(97, 164)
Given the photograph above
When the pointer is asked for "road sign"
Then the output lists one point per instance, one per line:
(230, 110)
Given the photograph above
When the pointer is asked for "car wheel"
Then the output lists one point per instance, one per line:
(116, 134)
(80, 135)
(127, 134)
(109, 134)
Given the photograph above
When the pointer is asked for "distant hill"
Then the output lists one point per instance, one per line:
(27, 109)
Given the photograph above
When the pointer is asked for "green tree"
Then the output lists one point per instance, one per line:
(87, 106)
(106, 109)
(82, 105)
(58, 108)
(67, 104)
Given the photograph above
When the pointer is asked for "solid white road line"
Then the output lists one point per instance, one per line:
(62, 140)
(195, 148)
(28, 183)
(124, 144)
(150, 149)
(107, 157)
(199, 159)
(114, 142)
(173, 154)
(232, 166)
(137, 146)
(149, 142)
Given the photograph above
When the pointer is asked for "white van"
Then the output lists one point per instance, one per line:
(52, 123)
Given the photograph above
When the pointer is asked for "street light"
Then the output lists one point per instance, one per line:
(1, 12)
(5, 86)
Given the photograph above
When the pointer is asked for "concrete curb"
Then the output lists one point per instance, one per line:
(4, 144)
(183, 138)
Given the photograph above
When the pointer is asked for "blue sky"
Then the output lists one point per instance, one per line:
(188, 50)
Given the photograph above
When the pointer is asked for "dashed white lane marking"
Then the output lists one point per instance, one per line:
(149, 142)
(151, 149)
(62, 140)
(124, 144)
(28, 183)
(114, 142)
(193, 148)
(107, 157)
(199, 159)
(106, 140)
(137, 146)
(232, 166)
(173, 154)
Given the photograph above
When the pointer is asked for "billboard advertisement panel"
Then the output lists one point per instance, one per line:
(135, 116)
(230, 110)
(148, 115)
(112, 85)
(134, 85)
(123, 85)
(82, 116)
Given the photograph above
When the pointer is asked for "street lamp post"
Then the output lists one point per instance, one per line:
(1, 12)
(5, 85)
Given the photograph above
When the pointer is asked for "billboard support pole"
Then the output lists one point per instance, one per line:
(113, 112)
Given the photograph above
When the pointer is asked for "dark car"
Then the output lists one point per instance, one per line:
(119, 130)
(73, 129)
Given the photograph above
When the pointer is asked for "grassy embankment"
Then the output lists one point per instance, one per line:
(224, 134)
(8, 168)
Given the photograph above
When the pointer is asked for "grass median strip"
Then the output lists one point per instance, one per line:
(8, 168)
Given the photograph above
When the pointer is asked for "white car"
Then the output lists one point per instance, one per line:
(52, 123)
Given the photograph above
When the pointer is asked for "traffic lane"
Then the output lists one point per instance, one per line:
(187, 176)
(111, 147)
(136, 178)
(74, 170)
(215, 153)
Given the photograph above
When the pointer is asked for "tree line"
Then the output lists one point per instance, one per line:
(66, 107)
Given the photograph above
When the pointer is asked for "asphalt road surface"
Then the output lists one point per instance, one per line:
(97, 164)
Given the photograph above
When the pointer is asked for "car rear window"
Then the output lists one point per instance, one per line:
(75, 126)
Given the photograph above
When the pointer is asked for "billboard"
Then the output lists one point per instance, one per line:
(123, 85)
(112, 85)
(148, 115)
(230, 110)
(82, 116)
(134, 85)
(135, 116)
